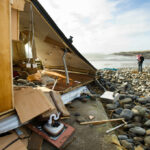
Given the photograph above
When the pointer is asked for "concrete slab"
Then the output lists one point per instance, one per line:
(88, 137)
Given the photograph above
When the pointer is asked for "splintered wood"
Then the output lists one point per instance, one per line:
(30, 103)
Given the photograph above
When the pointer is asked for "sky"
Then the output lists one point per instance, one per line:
(103, 26)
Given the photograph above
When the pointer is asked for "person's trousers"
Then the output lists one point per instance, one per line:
(140, 67)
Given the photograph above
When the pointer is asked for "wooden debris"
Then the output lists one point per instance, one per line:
(35, 142)
(102, 121)
(59, 103)
(30, 103)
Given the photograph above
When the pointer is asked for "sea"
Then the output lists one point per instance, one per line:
(101, 61)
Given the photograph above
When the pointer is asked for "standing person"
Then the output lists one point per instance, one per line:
(140, 59)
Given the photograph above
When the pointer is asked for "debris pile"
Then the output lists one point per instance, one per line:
(132, 103)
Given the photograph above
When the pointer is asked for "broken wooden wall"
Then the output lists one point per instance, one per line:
(5, 58)
(49, 44)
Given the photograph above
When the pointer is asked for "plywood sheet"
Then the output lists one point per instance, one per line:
(30, 103)
(59, 103)
(5, 58)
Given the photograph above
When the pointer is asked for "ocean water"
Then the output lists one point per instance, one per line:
(100, 61)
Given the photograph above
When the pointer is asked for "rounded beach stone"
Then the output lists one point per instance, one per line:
(147, 140)
(111, 106)
(127, 144)
(122, 137)
(138, 130)
(126, 101)
(127, 114)
(147, 123)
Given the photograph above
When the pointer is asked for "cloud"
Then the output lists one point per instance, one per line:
(103, 26)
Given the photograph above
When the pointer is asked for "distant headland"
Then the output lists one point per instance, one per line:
(146, 53)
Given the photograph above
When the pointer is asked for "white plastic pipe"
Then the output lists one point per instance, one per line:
(65, 65)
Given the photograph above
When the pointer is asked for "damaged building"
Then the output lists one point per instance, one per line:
(41, 74)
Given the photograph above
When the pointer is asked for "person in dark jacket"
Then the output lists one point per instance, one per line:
(140, 59)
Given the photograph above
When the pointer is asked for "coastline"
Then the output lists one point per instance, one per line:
(145, 53)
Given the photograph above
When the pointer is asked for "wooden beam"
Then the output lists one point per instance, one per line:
(54, 42)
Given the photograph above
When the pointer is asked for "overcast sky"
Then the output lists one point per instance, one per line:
(103, 26)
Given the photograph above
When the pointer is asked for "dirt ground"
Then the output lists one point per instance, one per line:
(88, 137)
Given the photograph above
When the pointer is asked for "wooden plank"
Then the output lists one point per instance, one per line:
(18, 4)
(102, 121)
(30, 103)
(59, 103)
(35, 142)
(5, 56)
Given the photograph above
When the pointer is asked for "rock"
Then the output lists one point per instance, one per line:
(148, 132)
(138, 139)
(127, 144)
(22, 81)
(31, 84)
(148, 99)
(118, 111)
(142, 100)
(128, 106)
(111, 106)
(137, 118)
(147, 123)
(139, 147)
(127, 114)
(122, 137)
(126, 101)
(147, 140)
(138, 130)
(139, 110)
(130, 140)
